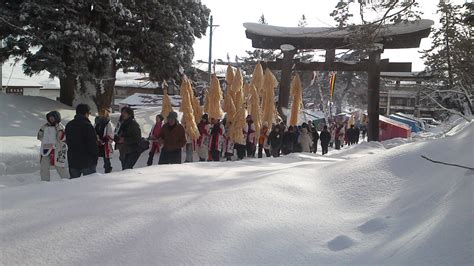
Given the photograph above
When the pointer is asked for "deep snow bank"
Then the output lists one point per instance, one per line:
(391, 207)
(22, 116)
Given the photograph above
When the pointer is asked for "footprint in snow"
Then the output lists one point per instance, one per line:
(372, 226)
(340, 243)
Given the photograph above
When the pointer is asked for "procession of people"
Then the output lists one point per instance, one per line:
(243, 124)
(84, 143)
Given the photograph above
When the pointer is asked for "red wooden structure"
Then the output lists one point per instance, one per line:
(389, 129)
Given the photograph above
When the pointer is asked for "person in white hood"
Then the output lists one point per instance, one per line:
(53, 146)
(305, 140)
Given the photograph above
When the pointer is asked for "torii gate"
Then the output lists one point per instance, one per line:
(291, 39)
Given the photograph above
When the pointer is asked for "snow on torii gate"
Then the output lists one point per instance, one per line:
(290, 39)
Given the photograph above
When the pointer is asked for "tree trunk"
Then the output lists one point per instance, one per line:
(95, 89)
(67, 88)
(89, 91)
(105, 87)
(338, 101)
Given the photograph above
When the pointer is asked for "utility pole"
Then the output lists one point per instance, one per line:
(211, 29)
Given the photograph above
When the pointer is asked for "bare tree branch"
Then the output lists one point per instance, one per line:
(447, 109)
(450, 164)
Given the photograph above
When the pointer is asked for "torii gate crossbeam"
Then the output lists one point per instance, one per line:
(396, 36)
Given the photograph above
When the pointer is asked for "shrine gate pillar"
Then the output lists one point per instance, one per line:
(285, 82)
(373, 95)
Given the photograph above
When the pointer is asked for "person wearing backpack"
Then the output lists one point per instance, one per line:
(105, 137)
(53, 146)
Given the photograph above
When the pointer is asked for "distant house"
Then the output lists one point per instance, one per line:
(148, 100)
(128, 84)
(400, 92)
(14, 81)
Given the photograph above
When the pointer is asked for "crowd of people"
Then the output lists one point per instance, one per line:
(81, 144)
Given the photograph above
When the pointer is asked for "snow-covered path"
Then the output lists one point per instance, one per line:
(364, 205)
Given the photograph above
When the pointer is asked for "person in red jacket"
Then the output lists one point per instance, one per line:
(263, 144)
(154, 134)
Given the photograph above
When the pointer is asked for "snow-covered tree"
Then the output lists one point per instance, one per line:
(363, 23)
(302, 22)
(341, 14)
(262, 20)
(372, 15)
(84, 42)
(449, 60)
(304, 55)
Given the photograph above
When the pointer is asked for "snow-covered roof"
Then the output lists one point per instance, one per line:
(143, 99)
(330, 32)
(220, 70)
(12, 75)
(20, 82)
(313, 113)
(134, 80)
(394, 122)
(405, 75)
(392, 36)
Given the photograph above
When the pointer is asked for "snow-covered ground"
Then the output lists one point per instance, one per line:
(22, 116)
(370, 204)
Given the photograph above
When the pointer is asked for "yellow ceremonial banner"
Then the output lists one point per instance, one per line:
(297, 92)
(332, 84)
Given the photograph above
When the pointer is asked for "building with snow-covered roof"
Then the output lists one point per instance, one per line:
(14, 81)
(400, 92)
(128, 83)
(148, 100)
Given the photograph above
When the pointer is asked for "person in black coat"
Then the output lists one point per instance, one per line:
(356, 134)
(350, 136)
(275, 140)
(325, 138)
(315, 137)
(288, 142)
(81, 139)
(129, 137)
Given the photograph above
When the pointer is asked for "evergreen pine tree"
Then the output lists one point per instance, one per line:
(302, 22)
(449, 60)
(84, 42)
(304, 55)
(262, 20)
